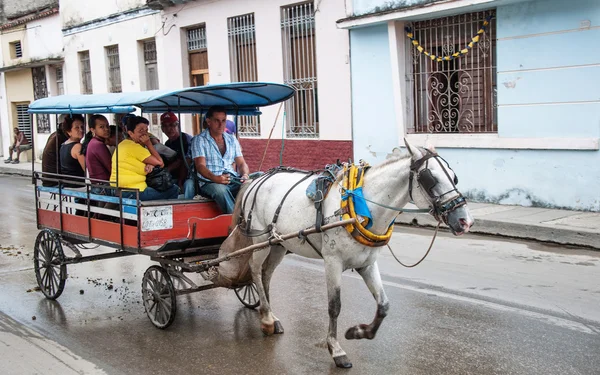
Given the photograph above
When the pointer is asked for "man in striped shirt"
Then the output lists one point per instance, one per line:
(215, 153)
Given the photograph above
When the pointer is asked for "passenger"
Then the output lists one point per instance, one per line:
(50, 155)
(165, 152)
(72, 162)
(215, 152)
(97, 156)
(136, 158)
(20, 144)
(177, 167)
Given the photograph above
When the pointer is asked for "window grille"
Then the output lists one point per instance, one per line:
(242, 58)
(86, 72)
(196, 39)
(16, 50)
(300, 69)
(60, 84)
(40, 90)
(114, 68)
(456, 96)
(24, 119)
(150, 65)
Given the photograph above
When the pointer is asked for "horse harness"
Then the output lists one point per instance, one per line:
(246, 225)
(353, 178)
(425, 179)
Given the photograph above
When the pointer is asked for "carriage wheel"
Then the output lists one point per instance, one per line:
(48, 264)
(158, 295)
(248, 295)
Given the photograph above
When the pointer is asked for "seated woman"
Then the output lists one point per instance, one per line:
(97, 156)
(72, 162)
(136, 158)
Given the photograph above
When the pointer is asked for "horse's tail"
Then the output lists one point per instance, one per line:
(237, 209)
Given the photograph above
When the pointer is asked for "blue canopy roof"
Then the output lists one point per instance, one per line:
(241, 98)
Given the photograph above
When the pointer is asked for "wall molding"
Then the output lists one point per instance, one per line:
(494, 141)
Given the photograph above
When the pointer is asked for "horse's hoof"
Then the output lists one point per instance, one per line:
(278, 327)
(358, 332)
(267, 329)
(342, 361)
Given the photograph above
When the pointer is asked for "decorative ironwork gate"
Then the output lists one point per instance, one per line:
(300, 69)
(459, 95)
(40, 90)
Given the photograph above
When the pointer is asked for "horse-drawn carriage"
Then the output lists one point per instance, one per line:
(178, 234)
(346, 225)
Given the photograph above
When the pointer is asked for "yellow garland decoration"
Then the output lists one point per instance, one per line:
(455, 55)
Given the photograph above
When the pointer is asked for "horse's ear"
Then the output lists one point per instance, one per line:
(414, 152)
(431, 148)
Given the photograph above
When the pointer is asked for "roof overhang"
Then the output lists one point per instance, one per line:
(32, 64)
(428, 10)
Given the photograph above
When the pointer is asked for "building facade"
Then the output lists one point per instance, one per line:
(32, 68)
(514, 108)
(137, 45)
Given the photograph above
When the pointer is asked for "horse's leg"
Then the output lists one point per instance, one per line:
(275, 257)
(257, 261)
(370, 275)
(333, 274)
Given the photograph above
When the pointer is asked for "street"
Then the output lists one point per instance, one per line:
(476, 305)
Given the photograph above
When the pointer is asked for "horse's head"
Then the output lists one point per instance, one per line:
(432, 185)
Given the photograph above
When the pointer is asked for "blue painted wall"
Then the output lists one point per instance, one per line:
(372, 94)
(548, 86)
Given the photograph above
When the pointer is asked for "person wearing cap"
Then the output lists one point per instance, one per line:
(50, 159)
(215, 152)
(177, 167)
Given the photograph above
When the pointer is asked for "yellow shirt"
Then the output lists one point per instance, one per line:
(131, 165)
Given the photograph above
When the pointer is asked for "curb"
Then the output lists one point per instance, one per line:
(15, 172)
(514, 230)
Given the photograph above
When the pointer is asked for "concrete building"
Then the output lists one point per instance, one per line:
(517, 115)
(31, 46)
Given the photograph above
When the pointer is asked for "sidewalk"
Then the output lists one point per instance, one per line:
(541, 224)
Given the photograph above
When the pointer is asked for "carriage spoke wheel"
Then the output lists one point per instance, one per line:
(48, 264)
(159, 295)
(248, 295)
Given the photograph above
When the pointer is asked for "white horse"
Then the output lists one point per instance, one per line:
(422, 175)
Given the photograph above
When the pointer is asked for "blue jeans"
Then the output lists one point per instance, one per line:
(223, 195)
(151, 194)
(189, 190)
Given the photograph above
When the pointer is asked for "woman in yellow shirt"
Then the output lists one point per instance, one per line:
(137, 158)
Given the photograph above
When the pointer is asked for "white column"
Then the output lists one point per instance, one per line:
(397, 41)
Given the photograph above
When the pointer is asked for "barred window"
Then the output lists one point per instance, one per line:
(60, 83)
(86, 72)
(150, 65)
(16, 51)
(300, 69)
(196, 39)
(23, 119)
(114, 68)
(242, 58)
(457, 95)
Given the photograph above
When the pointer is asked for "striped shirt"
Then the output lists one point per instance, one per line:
(203, 145)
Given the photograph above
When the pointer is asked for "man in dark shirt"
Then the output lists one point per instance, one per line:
(176, 166)
(50, 156)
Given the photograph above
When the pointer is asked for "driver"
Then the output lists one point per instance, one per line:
(215, 152)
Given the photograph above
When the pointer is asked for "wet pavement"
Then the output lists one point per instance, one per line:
(475, 306)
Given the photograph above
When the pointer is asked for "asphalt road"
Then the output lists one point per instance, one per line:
(476, 305)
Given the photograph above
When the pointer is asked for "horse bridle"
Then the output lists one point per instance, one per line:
(440, 208)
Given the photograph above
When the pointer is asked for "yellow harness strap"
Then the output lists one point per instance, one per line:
(353, 179)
